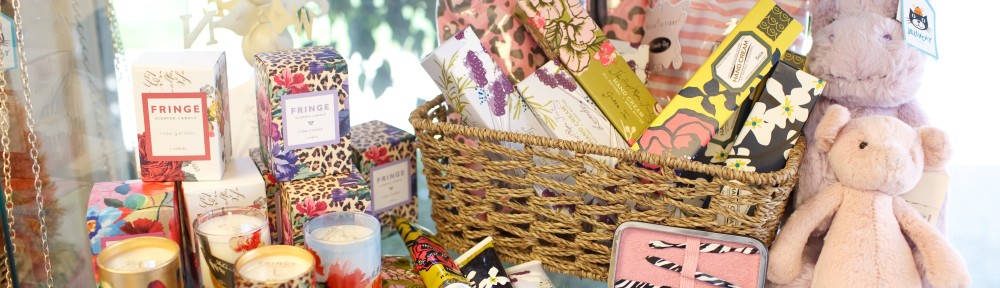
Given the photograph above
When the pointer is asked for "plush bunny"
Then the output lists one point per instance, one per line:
(876, 159)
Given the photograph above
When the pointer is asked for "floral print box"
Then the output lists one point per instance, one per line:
(302, 200)
(303, 112)
(120, 210)
(271, 188)
(181, 104)
(386, 157)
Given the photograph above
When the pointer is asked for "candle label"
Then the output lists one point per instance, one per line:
(310, 119)
(391, 184)
(175, 121)
(220, 270)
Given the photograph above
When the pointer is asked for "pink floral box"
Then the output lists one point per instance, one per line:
(303, 112)
(124, 209)
(302, 200)
(387, 158)
(181, 107)
(271, 189)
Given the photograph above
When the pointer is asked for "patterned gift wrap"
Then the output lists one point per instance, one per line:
(302, 200)
(567, 33)
(503, 36)
(271, 189)
(125, 209)
(773, 126)
(303, 112)
(181, 108)
(715, 91)
(625, 19)
(386, 157)
(242, 186)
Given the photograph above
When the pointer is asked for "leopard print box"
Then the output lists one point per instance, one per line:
(303, 112)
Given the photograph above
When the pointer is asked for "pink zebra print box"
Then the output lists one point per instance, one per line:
(649, 255)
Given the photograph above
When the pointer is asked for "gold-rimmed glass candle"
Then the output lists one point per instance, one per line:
(276, 266)
(224, 235)
(144, 261)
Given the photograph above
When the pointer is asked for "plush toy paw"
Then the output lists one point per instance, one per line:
(783, 266)
(949, 277)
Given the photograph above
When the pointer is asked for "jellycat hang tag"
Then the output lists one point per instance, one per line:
(663, 28)
(919, 25)
(8, 45)
(929, 194)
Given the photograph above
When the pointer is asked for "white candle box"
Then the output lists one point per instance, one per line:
(387, 158)
(271, 189)
(242, 186)
(303, 112)
(302, 200)
(125, 209)
(475, 87)
(181, 108)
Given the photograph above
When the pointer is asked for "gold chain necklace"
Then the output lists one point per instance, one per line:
(8, 187)
(33, 143)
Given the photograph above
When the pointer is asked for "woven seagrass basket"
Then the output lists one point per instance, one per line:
(577, 242)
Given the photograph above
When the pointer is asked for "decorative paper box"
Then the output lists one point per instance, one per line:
(592, 60)
(635, 55)
(120, 210)
(476, 88)
(717, 88)
(305, 199)
(566, 111)
(387, 158)
(242, 186)
(272, 191)
(503, 36)
(303, 112)
(774, 124)
(181, 108)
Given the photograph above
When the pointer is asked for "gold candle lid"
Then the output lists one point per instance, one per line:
(271, 251)
(144, 267)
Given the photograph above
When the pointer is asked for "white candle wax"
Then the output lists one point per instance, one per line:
(343, 234)
(140, 259)
(275, 268)
(220, 230)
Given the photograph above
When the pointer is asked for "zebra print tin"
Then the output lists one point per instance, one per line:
(649, 256)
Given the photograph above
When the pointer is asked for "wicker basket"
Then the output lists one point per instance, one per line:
(525, 228)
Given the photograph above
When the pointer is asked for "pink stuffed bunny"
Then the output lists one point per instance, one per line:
(876, 159)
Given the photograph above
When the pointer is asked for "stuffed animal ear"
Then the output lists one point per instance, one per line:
(829, 127)
(937, 149)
